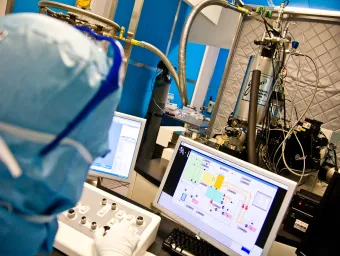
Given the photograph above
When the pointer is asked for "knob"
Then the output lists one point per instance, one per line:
(295, 44)
(71, 214)
(106, 228)
(113, 206)
(83, 220)
(104, 201)
(93, 225)
(139, 220)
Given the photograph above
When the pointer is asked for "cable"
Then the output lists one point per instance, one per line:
(296, 113)
(278, 79)
(315, 91)
(297, 81)
(154, 78)
(304, 181)
(292, 129)
(278, 130)
(299, 119)
(157, 105)
(335, 160)
(303, 157)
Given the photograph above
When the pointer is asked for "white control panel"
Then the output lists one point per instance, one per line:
(97, 209)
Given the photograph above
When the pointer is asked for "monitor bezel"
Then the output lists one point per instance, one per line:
(95, 173)
(285, 204)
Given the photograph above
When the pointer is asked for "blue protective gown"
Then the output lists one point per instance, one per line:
(48, 72)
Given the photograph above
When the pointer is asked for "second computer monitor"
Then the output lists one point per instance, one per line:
(125, 136)
(235, 206)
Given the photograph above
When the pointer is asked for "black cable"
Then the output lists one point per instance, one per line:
(335, 160)
(269, 25)
(121, 184)
(154, 78)
(284, 111)
(302, 183)
(119, 187)
(266, 25)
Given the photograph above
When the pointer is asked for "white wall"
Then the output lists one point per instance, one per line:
(103, 8)
(212, 13)
(215, 37)
(206, 72)
(220, 35)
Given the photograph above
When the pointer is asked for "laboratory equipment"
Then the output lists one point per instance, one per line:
(155, 110)
(125, 137)
(259, 129)
(235, 206)
(304, 206)
(330, 164)
(261, 104)
(321, 236)
(79, 17)
(97, 209)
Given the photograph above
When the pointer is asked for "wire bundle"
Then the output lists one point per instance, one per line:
(278, 82)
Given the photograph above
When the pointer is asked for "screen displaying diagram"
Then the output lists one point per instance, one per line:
(228, 200)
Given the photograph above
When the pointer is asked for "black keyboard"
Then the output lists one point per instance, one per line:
(180, 242)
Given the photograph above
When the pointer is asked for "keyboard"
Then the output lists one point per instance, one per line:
(180, 242)
(97, 209)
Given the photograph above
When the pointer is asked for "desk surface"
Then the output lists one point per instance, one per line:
(167, 225)
(191, 120)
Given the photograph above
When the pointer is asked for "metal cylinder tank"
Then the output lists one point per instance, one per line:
(241, 110)
(155, 112)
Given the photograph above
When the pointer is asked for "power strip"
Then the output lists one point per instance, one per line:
(96, 209)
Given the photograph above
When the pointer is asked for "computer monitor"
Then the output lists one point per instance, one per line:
(235, 206)
(125, 136)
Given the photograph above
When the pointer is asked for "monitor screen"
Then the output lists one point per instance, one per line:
(232, 205)
(123, 140)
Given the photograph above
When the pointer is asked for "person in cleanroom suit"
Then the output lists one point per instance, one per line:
(58, 92)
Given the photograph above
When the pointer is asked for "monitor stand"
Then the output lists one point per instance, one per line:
(94, 181)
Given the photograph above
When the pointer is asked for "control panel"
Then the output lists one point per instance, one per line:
(97, 209)
(304, 206)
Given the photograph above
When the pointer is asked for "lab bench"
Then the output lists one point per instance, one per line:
(167, 225)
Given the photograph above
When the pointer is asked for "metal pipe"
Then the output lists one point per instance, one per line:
(302, 11)
(165, 60)
(226, 71)
(308, 11)
(159, 54)
(9, 6)
(252, 116)
(45, 4)
(185, 35)
(173, 27)
(131, 31)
